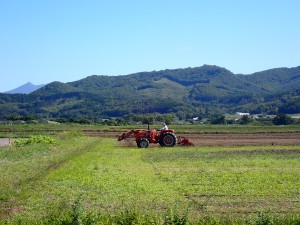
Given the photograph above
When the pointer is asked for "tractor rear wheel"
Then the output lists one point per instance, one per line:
(143, 143)
(168, 140)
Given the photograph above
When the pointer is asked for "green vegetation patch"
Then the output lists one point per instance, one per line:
(34, 140)
(94, 180)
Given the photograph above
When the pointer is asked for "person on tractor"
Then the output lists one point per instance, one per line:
(165, 127)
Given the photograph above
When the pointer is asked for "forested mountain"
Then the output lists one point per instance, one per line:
(185, 92)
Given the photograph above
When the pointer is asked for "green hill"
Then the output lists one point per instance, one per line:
(190, 91)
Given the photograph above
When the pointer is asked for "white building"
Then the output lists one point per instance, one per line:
(243, 114)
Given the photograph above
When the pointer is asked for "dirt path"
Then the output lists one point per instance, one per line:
(4, 142)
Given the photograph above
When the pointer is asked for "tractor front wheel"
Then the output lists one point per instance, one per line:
(167, 140)
(143, 143)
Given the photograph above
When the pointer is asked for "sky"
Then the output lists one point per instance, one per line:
(42, 41)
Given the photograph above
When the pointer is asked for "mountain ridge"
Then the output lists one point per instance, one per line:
(204, 90)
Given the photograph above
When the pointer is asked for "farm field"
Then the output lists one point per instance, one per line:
(81, 179)
(200, 135)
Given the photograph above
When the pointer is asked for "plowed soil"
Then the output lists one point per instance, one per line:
(249, 139)
(244, 139)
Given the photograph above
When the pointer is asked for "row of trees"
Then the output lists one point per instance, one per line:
(169, 118)
(280, 119)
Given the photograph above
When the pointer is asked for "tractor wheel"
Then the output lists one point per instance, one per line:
(168, 140)
(143, 143)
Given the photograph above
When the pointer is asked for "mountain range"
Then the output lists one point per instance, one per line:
(25, 89)
(189, 92)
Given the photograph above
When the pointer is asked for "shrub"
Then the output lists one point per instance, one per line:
(282, 119)
(33, 140)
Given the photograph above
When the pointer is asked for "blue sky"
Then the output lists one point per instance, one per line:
(66, 40)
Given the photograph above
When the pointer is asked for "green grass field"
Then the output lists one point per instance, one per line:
(84, 180)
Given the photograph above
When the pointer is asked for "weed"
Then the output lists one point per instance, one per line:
(173, 217)
(264, 219)
(77, 212)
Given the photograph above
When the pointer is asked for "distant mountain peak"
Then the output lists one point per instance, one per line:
(25, 88)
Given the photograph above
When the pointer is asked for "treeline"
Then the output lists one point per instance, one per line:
(169, 118)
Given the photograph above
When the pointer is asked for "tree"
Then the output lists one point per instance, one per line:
(244, 120)
(181, 115)
(13, 117)
(282, 119)
(169, 118)
(148, 119)
(218, 120)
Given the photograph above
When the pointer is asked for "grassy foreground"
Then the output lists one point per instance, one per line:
(84, 180)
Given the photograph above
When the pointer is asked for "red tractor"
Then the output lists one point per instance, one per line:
(166, 138)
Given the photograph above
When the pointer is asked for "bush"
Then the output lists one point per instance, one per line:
(33, 140)
(282, 119)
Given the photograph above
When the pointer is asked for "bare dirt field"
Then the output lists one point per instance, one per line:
(244, 139)
(255, 139)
